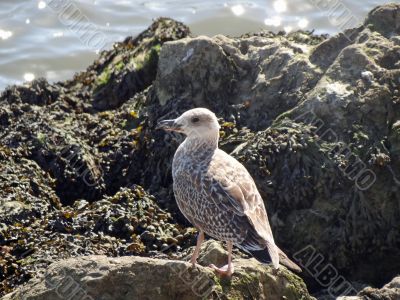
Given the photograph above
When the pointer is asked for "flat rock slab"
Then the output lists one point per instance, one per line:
(132, 277)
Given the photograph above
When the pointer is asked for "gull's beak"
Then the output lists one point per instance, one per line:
(169, 125)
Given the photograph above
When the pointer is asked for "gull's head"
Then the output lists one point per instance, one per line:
(194, 123)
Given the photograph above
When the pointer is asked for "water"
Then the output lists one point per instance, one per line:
(37, 38)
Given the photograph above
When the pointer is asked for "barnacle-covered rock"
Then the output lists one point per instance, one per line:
(39, 92)
(33, 237)
(323, 143)
(54, 124)
(54, 143)
(26, 191)
(286, 162)
(314, 119)
(129, 67)
(385, 19)
(246, 81)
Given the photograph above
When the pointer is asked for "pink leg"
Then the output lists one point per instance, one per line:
(200, 239)
(228, 269)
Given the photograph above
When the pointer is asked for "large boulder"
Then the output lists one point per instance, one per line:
(247, 81)
(125, 278)
(260, 75)
(325, 132)
(57, 127)
(339, 168)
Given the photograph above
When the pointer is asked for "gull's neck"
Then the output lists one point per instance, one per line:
(202, 143)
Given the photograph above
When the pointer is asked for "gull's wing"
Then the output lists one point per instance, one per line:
(231, 186)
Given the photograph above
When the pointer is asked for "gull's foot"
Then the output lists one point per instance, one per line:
(223, 271)
(193, 260)
(193, 263)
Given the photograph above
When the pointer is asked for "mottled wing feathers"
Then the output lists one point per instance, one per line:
(233, 187)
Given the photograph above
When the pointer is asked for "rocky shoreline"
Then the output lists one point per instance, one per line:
(315, 119)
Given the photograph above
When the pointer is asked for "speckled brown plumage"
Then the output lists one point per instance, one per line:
(216, 193)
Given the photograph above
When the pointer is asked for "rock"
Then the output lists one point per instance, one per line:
(49, 120)
(132, 65)
(54, 124)
(324, 186)
(212, 253)
(39, 92)
(247, 72)
(47, 140)
(315, 119)
(101, 277)
(35, 234)
(26, 195)
(125, 70)
(324, 54)
(323, 153)
(25, 190)
(385, 19)
(390, 291)
(263, 75)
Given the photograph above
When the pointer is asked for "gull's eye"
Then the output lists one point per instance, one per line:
(195, 119)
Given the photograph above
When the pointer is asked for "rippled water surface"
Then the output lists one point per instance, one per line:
(37, 37)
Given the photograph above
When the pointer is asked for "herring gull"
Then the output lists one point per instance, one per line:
(216, 193)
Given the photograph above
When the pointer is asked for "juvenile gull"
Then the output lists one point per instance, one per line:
(216, 193)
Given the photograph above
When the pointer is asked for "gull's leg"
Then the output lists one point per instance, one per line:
(200, 239)
(228, 269)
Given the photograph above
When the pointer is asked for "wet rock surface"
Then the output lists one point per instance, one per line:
(315, 119)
